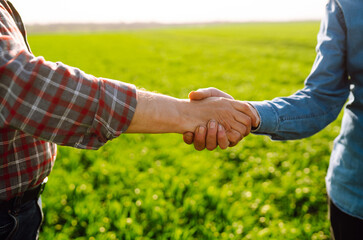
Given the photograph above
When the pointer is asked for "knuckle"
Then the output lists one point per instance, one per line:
(245, 107)
(249, 121)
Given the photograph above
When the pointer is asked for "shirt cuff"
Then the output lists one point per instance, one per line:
(268, 118)
(116, 108)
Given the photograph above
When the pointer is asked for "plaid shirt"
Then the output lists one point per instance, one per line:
(44, 104)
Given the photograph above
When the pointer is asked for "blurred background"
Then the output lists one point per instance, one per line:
(167, 11)
(155, 186)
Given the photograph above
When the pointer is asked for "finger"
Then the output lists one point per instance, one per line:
(236, 125)
(234, 137)
(188, 137)
(231, 117)
(211, 143)
(199, 138)
(222, 137)
(208, 92)
(218, 93)
(238, 121)
(255, 122)
(200, 94)
(247, 109)
(244, 123)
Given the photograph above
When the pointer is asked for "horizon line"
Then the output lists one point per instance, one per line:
(171, 23)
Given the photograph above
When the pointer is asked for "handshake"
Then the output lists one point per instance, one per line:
(233, 122)
(209, 118)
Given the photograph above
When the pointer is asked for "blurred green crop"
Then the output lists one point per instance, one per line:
(157, 187)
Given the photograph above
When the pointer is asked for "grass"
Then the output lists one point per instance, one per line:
(155, 186)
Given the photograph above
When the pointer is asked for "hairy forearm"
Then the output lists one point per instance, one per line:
(156, 113)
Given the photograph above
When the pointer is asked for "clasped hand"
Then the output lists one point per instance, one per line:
(229, 126)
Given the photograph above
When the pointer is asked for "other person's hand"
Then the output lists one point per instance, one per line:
(215, 134)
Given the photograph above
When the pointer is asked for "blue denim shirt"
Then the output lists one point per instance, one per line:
(337, 74)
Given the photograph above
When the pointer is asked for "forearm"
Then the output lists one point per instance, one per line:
(156, 113)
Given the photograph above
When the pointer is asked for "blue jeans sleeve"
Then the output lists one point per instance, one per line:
(326, 88)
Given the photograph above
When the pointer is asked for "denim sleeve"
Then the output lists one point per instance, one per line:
(326, 88)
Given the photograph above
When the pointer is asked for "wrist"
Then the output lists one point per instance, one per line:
(156, 113)
(189, 115)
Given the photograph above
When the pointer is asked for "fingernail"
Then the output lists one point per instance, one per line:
(212, 124)
(220, 127)
(201, 130)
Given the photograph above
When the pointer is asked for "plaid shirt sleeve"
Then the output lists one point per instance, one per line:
(44, 104)
(55, 102)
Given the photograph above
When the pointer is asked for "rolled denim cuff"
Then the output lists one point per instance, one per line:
(268, 118)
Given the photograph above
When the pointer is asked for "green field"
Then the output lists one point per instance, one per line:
(157, 187)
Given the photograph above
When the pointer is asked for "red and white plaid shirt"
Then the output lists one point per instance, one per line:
(44, 104)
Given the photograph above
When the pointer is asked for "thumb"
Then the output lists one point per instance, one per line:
(208, 92)
(200, 94)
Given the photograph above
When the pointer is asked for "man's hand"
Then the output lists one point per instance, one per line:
(228, 113)
(211, 137)
(156, 113)
(215, 136)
